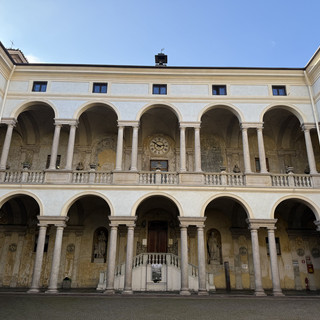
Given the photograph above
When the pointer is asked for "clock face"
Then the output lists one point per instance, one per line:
(159, 145)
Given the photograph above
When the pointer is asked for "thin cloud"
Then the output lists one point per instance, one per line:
(33, 59)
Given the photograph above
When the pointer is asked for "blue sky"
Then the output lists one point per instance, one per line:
(260, 33)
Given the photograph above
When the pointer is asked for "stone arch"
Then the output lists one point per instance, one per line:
(84, 107)
(237, 199)
(291, 108)
(14, 194)
(71, 201)
(152, 194)
(165, 105)
(307, 202)
(26, 104)
(236, 111)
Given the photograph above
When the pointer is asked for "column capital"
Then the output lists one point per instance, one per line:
(128, 123)
(192, 221)
(58, 221)
(9, 121)
(248, 125)
(307, 126)
(262, 223)
(115, 221)
(190, 124)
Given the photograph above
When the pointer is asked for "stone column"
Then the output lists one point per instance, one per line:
(201, 262)
(246, 151)
(134, 154)
(184, 260)
(17, 260)
(310, 154)
(129, 258)
(6, 145)
(256, 261)
(197, 150)
(112, 249)
(72, 136)
(53, 284)
(38, 260)
(55, 145)
(76, 258)
(4, 254)
(119, 148)
(183, 149)
(262, 154)
(274, 262)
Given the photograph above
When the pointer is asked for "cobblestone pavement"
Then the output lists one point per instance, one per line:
(156, 307)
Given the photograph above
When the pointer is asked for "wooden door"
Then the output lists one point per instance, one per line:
(157, 236)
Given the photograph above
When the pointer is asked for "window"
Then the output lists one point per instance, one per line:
(257, 162)
(161, 165)
(39, 86)
(279, 90)
(277, 246)
(57, 162)
(100, 88)
(159, 89)
(219, 90)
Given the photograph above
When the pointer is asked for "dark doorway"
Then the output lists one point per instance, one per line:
(157, 236)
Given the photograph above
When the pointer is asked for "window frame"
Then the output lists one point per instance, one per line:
(218, 89)
(276, 90)
(100, 85)
(160, 87)
(42, 85)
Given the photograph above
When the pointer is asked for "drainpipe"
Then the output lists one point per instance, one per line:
(315, 114)
(6, 92)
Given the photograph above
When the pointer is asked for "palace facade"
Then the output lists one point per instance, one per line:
(159, 178)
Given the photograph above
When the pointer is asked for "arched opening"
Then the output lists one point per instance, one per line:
(32, 138)
(157, 228)
(84, 248)
(221, 143)
(298, 245)
(159, 140)
(284, 142)
(228, 244)
(18, 230)
(96, 139)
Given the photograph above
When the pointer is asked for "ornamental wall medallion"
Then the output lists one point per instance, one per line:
(315, 252)
(70, 248)
(12, 247)
(243, 251)
(300, 252)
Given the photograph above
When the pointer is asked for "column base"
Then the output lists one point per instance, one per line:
(109, 292)
(260, 294)
(127, 292)
(52, 291)
(185, 293)
(203, 293)
(277, 294)
(33, 290)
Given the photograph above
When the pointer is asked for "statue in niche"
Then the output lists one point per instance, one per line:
(214, 248)
(100, 246)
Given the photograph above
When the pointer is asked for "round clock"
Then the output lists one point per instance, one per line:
(159, 145)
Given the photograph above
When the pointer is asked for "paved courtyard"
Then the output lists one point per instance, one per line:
(139, 307)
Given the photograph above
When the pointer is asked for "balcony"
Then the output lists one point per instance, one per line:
(159, 178)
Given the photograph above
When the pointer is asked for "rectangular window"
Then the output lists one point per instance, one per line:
(219, 90)
(159, 89)
(279, 90)
(258, 168)
(100, 88)
(277, 246)
(39, 86)
(57, 162)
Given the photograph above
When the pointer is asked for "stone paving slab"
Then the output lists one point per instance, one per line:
(156, 307)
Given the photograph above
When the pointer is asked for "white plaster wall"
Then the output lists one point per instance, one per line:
(316, 87)
(252, 112)
(299, 91)
(129, 89)
(18, 86)
(67, 108)
(250, 90)
(129, 109)
(189, 90)
(10, 106)
(306, 110)
(68, 87)
(190, 111)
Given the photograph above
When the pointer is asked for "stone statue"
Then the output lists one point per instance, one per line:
(100, 250)
(213, 249)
